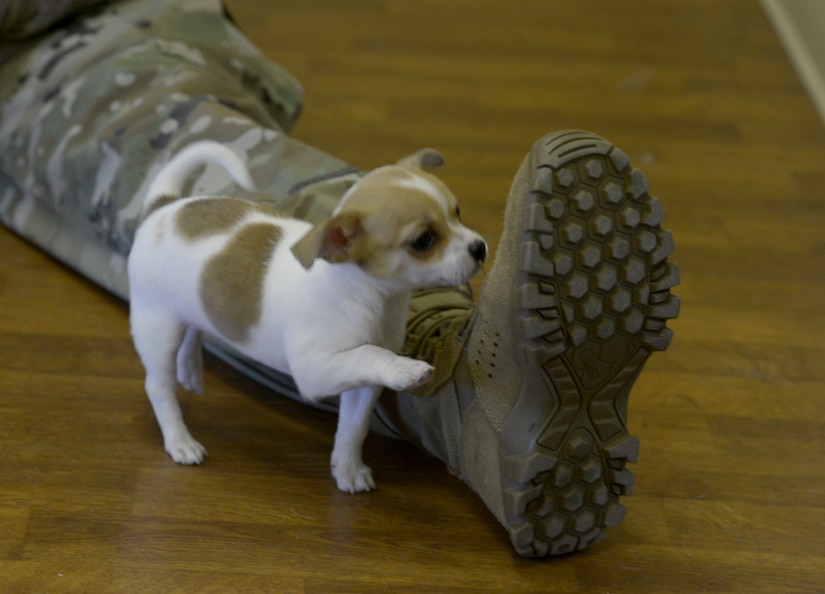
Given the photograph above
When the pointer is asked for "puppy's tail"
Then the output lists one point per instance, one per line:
(170, 179)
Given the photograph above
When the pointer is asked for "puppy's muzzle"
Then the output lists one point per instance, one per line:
(478, 250)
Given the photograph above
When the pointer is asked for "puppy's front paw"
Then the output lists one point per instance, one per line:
(353, 478)
(186, 451)
(410, 374)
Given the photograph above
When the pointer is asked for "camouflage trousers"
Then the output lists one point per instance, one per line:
(91, 109)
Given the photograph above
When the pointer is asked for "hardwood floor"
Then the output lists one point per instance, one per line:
(730, 481)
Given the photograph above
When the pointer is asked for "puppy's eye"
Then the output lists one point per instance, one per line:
(423, 241)
(458, 213)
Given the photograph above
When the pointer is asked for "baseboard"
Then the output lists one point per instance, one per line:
(800, 25)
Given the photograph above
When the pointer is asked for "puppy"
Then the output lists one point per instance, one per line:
(325, 303)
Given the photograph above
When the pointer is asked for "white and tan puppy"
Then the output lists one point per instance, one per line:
(326, 304)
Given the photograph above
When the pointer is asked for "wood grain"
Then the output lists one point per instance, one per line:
(730, 482)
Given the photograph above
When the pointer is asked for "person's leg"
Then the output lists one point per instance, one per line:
(530, 396)
(93, 109)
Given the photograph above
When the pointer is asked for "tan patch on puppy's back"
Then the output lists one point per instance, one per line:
(232, 282)
(157, 204)
(210, 216)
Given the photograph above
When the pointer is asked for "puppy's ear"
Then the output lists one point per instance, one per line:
(426, 158)
(334, 240)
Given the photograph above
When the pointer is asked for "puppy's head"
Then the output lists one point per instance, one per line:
(400, 224)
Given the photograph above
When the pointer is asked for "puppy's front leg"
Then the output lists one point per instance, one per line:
(366, 365)
(348, 468)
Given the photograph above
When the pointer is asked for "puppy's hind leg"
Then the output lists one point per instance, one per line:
(157, 339)
(348, 468)
(190, 361)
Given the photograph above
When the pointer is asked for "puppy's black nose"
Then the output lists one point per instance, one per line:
(478, 250)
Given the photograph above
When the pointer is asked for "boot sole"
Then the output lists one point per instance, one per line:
(593, 299)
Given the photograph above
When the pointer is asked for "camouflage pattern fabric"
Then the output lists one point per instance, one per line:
(90, 110)
(24, 18)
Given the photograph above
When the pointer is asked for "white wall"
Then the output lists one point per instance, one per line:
(801, 27)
